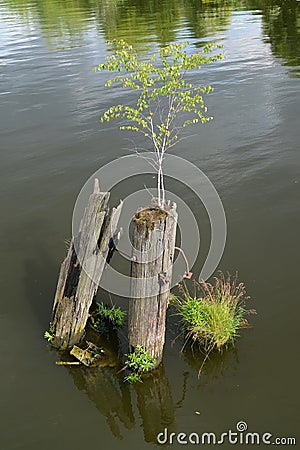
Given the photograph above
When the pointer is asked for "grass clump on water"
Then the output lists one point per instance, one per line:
(213, 316)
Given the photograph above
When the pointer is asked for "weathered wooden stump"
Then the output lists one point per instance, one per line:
(81, 271)
(154, 232)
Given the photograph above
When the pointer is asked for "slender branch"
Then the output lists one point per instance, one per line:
(152, 162)
(152, 135)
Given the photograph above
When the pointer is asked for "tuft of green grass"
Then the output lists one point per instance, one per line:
(114, 315)
(213, 317)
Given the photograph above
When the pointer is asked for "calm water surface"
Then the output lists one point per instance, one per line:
(51, 142)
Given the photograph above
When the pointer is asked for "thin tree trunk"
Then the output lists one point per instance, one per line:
(163, 194)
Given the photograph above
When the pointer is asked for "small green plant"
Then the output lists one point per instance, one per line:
(139, 362)
(213, 318)
(113, 315)
(48, 336)
(133, 377)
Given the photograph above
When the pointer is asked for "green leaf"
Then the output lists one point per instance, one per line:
(48, 336)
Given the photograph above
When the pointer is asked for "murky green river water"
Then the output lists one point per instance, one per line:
(51, 142)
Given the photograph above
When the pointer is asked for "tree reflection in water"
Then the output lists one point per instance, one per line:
(144, 24)
(113, 399)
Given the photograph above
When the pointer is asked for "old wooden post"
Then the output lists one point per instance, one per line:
(154, 232)
(82, 268)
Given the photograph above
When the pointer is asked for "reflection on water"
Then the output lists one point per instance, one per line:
(114, 400)
(155, 404)
(64, 23)
(281, 26)
(157, 409)
(215, 366)
(108, 392)
(204, 19)
(111, 396)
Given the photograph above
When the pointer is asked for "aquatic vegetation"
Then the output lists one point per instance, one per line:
(139, 362)
(133, 377)
(213, 317)
(146, 218)
(49, 335)
(111, 314)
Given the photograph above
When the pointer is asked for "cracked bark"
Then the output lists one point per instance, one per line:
(82, 269)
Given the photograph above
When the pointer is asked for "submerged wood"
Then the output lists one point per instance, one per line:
(94, 356)
(154, 233)
(89, 356)
(82, 269)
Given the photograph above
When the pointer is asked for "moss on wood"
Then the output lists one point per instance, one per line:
(147, 218)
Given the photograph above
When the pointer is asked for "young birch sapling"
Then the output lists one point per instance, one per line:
(166, 101)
